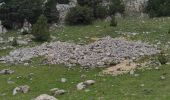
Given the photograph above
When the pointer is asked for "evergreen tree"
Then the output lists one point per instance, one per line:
(158, 8)
(40, 29)
(51, 12)
(116, 6)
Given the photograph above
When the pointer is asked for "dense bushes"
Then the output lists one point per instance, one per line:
(158, 8)
(116, 6)
(89, 3)
(14, 12)
(40, 29)
(100, 12)
(79, 15)
(51, 12)
(62, 1)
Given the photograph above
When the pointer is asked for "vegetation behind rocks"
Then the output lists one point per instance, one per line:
(40, 29)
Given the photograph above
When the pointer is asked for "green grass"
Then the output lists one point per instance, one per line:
(124, 87)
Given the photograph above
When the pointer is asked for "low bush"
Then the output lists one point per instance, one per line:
(14, 42)
(79, 15)
(158, 8)
(116, 6)
(113, 22)
(162, 58)
(100, 12)
(40, 29)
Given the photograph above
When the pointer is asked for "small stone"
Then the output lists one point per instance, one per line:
(156, 68)
(21, 89)
(3, 94)
(45, 97)
(86, 90)
(162, 77)
(53, 90)
(83, 76)
(142, 85)
(81, 86)
(136, 75)
(6, 71)
(63, 80)
(15, 91)
(89, 82)
(132, 72)
(26, 64)
(56, 91)
(59, 92)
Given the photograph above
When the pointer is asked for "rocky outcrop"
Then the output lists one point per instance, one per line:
(100, 53)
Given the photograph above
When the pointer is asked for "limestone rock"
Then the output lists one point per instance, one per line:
(81, 86)
(6, 71)
(85, 84)
(21, 89)
(89, 82)
(57, 91)
(45, 97)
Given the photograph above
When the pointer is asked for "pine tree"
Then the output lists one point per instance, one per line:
(40, 29)
(51, 13)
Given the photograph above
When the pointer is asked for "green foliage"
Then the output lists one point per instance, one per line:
(62, 1)
(79, 15)
(100, 12)
(40, 29)
(14, 12)
(90, 3)
(162, 58)
(116, 6)
(113, 22)
(51, 12)
(158, 8)
(14, 42)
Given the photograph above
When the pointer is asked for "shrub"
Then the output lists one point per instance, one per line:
(100, 12)
(162, 58)
(63, 1)
(14, 42)
(158, 8)
(51, 13)
(14, 12)
(113, 22)
(40, 29)
(79, 15)
(116, 6)
(89, 3)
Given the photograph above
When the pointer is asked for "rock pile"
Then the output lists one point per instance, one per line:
(102, 52)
